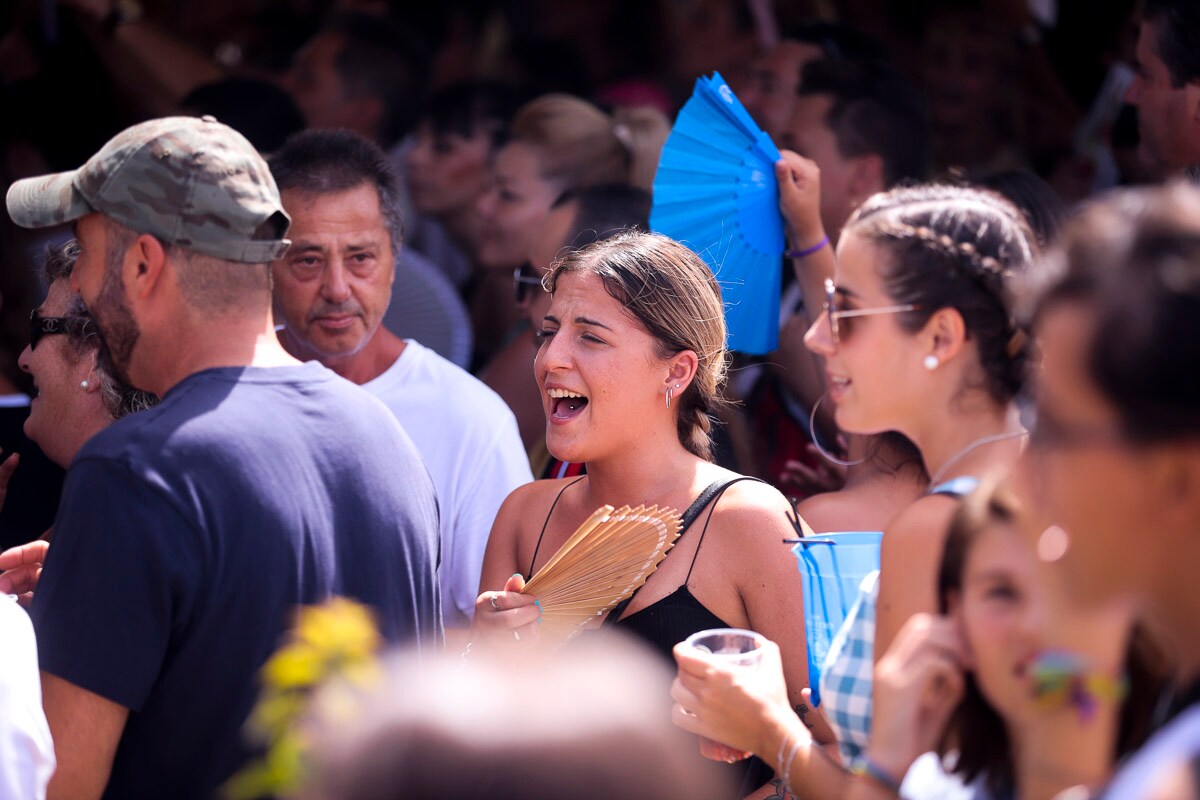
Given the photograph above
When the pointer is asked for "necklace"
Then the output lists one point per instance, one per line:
(954, 459)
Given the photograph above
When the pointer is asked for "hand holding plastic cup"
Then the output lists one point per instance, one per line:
(729, 647)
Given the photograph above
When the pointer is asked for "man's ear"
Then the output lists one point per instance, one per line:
(866, 176)
(144, 265)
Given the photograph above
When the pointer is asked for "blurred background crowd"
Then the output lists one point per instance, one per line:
(1008, 92)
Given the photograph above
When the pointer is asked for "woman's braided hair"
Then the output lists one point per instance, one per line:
(668, 289)
(956, 247)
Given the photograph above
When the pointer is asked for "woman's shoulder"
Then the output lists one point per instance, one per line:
(931, 510)
(751, 502)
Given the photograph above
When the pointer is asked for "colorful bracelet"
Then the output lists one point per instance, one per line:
(864, 767)
(808, 251)
(1063, 679)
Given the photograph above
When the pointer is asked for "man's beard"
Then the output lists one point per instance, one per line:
(118, 329)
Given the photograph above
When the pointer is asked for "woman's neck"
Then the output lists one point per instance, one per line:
(644, 474)
(968, 442)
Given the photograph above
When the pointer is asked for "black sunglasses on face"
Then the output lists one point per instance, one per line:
(523, 281)
(40, 326)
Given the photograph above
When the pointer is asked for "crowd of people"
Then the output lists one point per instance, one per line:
(368, 305)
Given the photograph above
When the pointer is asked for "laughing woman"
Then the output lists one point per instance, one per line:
(630, 365)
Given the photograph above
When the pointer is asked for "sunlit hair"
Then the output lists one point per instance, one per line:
(673, 295)
(976, 734)
(956, 247)
(577, 144)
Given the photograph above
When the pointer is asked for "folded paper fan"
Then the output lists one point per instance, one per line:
(715, 191)
(605, 560)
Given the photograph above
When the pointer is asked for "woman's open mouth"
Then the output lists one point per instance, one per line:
(565, 405)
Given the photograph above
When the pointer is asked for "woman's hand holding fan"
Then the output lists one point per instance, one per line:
(604, 562)
(507, 615)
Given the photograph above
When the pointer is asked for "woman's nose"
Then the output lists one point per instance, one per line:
(819, 337)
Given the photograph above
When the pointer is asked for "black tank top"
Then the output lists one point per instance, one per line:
(665, 623)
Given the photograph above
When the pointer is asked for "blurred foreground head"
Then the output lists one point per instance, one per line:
(1115, 444)
(589, 722)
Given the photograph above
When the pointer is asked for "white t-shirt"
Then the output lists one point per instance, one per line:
(26, 751)
(468, 438)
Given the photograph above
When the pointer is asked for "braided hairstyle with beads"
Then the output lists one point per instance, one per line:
(956, 247)
(668, 289)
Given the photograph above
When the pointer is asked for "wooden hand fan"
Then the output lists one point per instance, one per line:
(605, 560)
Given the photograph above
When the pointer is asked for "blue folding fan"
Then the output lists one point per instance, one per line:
(716, 192)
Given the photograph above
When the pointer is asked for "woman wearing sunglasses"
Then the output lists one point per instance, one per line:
(918, 337)
(75, 394)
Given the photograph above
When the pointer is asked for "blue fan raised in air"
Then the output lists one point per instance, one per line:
(716, 192)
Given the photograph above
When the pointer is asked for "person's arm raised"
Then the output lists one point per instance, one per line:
(800, 203)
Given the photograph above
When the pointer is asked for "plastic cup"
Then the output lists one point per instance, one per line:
(731, 647)
(832, 565)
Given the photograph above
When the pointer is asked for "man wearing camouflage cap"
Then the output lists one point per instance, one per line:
(188, 533)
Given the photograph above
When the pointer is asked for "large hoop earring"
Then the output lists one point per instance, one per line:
(670, 392)
(812, 431)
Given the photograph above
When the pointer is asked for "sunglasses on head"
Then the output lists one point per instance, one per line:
(40, 326)
(524, 282)
(835, 314)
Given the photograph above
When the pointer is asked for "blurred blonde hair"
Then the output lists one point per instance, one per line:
(579, 145)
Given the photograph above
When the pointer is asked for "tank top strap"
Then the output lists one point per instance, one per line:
(549, 513)
(711, 496)
(713, 490)
(956, 487)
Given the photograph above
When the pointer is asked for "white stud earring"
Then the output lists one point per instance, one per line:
(84, 385)
(931, 362)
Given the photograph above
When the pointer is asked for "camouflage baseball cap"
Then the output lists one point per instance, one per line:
(190, 181)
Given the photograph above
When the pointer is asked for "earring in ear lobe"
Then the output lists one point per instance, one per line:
(84, 385)
(670, 392)
(931, 362)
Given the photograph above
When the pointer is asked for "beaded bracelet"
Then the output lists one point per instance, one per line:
(864, 767)
(808, 251)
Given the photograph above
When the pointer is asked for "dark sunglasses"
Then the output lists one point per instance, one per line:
(835, 314)
(40, 326)
(524, 281)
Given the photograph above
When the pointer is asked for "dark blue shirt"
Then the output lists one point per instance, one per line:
(189, 533)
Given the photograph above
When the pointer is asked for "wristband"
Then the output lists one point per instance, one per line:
(866, 768)
(783, 764)
(808, 251)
